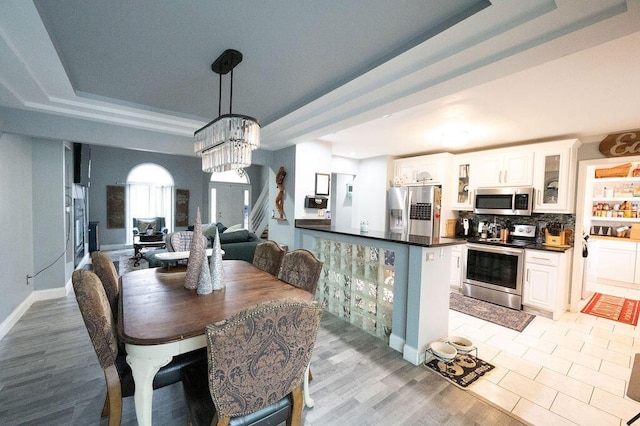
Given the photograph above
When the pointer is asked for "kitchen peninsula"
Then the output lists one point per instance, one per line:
(393, 286)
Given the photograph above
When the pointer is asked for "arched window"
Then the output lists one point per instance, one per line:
(229, 198)
(149, 194)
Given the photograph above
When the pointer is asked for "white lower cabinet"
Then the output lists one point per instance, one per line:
(616, 261)
(546, 282)
(456, 267)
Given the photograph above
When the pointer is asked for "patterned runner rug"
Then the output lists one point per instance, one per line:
(614, 308)
(464, 370)
(510, 318)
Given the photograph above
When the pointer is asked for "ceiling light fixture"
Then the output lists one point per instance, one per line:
(454, 138)
(226, 142)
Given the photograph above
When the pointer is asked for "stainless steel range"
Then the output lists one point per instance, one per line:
(493, 270)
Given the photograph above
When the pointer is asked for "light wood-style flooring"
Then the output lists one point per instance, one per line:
(49, 375)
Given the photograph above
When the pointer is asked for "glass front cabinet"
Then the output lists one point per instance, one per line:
(463, 197)
(554, 178)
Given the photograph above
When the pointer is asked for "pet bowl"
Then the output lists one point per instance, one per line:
(460, 343)
(443, 350)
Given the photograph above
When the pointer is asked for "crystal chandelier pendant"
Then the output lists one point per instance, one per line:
(226, 142)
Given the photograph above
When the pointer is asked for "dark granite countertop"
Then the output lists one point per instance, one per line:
(415, 240)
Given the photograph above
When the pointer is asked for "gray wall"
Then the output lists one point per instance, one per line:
(50, 232)
(16, 221)
(110, 166)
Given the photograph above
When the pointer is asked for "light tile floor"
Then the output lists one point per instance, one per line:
(572, 371)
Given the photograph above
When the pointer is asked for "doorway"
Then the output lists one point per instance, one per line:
(230, 204)
(230, 198)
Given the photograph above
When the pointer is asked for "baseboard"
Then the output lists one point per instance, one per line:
(396, 342)
(412, 355)
(15, 316)
(51, 293)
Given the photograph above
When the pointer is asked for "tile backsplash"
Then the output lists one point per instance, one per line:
(537, 219)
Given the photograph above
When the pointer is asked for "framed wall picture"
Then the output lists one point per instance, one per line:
(322, 184)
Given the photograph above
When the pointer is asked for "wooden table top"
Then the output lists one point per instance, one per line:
(155, 307)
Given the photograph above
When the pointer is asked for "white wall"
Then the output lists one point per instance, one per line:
(370, 193)
(311, 158)
(283, 231)
(341, 203)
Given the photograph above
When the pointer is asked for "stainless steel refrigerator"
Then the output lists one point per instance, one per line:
(415, 210)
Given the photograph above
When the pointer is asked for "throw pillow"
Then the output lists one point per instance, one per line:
(209, 230)
(234, 228)
(221, 227)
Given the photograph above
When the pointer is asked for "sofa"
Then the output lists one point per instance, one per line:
(237, 243)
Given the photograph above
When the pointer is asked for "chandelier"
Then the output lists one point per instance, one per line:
(226, 142)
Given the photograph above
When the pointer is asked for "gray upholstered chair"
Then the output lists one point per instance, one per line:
(181, 241)
(257, 359)
(105, 269)
(142, 224)
(268, 257)
(302, 269)
(98, 319)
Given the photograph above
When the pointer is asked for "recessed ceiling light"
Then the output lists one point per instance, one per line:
(454, 138)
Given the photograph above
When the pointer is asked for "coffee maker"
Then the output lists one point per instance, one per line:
(464, 227)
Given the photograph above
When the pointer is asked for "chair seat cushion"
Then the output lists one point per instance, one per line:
(167, 375)
(201, 409)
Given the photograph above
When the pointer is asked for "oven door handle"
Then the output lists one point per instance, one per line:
(494, 249)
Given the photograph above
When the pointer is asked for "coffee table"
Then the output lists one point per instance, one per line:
(140, 243)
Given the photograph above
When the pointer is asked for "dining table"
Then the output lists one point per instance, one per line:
(160, 318)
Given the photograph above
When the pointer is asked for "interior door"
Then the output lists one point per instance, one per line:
(231, 203)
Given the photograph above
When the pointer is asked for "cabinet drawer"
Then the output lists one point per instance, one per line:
(617, 244)
(541, 257)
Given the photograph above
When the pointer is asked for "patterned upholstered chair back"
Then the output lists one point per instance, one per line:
(105, 270)
(268, 257)
(259, 356)
(96, 313)
(302, 269)
(180, 241)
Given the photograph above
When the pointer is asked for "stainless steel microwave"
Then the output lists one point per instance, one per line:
(514, 201)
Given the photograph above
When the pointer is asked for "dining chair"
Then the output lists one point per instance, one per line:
(302, 269)
(105, 269)
(256, 362)
(96, 313)
(268, 257)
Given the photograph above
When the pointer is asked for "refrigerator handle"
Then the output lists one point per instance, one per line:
(408, 211)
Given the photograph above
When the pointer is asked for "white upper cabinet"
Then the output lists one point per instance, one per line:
(554, 176)
(422, 169)
(503, 167)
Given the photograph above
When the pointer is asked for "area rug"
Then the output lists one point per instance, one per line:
(462, 371)
(129, 263)
(510, 318)
(614, 308)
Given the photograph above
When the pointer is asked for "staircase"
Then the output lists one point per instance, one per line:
(259, 215)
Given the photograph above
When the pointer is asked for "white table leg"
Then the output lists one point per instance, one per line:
(144, 370)
(305, 388)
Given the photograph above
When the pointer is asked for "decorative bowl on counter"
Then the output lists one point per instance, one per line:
(461, 344)
(443, 350)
